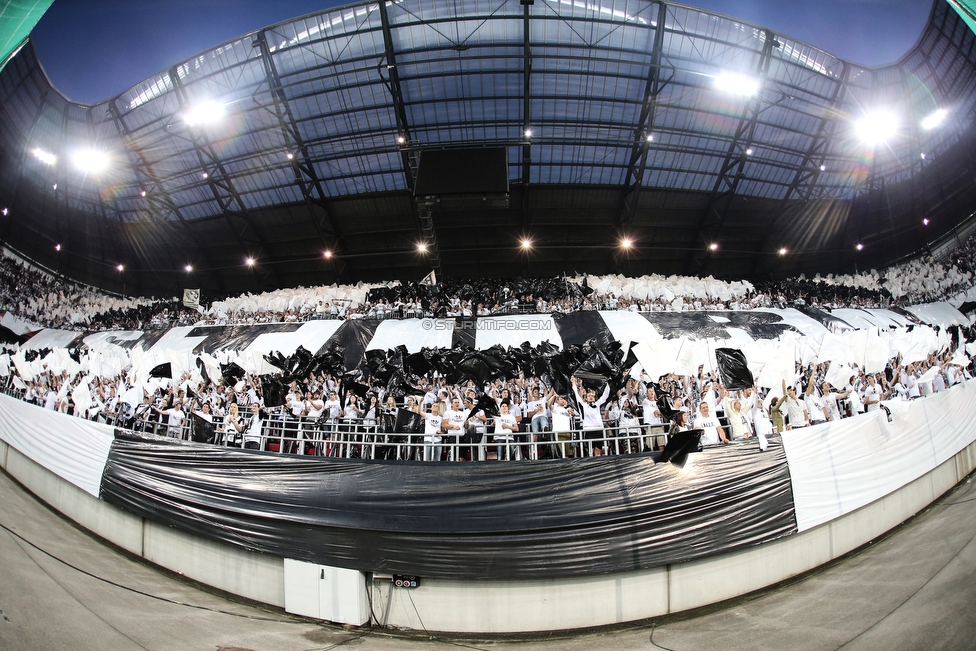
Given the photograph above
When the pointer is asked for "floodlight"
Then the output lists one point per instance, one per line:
(206, 112)
(528, 133)
(249, 262)
(859, 247)
(143, 193)
(401, 140)
(120, 268)
(188, 268)
(626, 243)
(204, 175)
(877, 127)
(45, 157)
(713, 246)
(327, 253)
(823, 168)
(925, 221)
(57, 247)
(422, 247)
(783, 251)
(750, 151)
(5, 211)
(735, 83)
(650, 137)
(526, 243)
(933, 120)
(90, 160)
(289, 155)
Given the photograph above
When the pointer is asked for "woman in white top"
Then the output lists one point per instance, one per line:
(233, 427)
(737, 420)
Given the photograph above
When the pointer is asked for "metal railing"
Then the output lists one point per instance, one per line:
(367, 439)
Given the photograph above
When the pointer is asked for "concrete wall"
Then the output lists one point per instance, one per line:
(248, 574)
(513, 606)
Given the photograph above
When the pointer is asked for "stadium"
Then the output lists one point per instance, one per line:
(722, 280)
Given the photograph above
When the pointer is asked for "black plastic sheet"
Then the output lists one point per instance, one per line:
(353, 336)
(734, 369)
(203, 429)
(465, 333)
(272, 390)
(580, 327)
(490, 520)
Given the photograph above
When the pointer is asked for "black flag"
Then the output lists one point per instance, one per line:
(163, 370)
(733, 369)
(273, 391)
(203, 429)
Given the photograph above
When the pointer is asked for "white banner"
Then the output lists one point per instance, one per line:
(838, 467)
(72, 448)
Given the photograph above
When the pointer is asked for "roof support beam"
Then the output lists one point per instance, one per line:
(103, 223)
(423, 210)
(392, 80)
(222, 186)
(730, 173)
(645, 125)
(804, 183)
(156, 195)
(305, 175)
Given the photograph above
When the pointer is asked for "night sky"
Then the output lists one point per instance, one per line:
(96, 49)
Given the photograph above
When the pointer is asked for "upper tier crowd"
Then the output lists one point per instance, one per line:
(41, 299)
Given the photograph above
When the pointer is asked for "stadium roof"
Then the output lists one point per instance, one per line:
(655, 122)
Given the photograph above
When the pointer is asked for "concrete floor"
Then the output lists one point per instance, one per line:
(62, 589)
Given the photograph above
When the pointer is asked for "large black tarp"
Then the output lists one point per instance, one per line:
(490, 520)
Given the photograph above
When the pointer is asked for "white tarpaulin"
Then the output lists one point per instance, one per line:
(942, 314)
(516, 329)
(629, 326)
(311, 336)
(72, 448)
(857, 318)
(807, 326)
(17, 325)
(51, 339)
(838, 467)
(415, 334)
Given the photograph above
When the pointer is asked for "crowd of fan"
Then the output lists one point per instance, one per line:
(518, 417)
(37, 297)
(40, 298)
